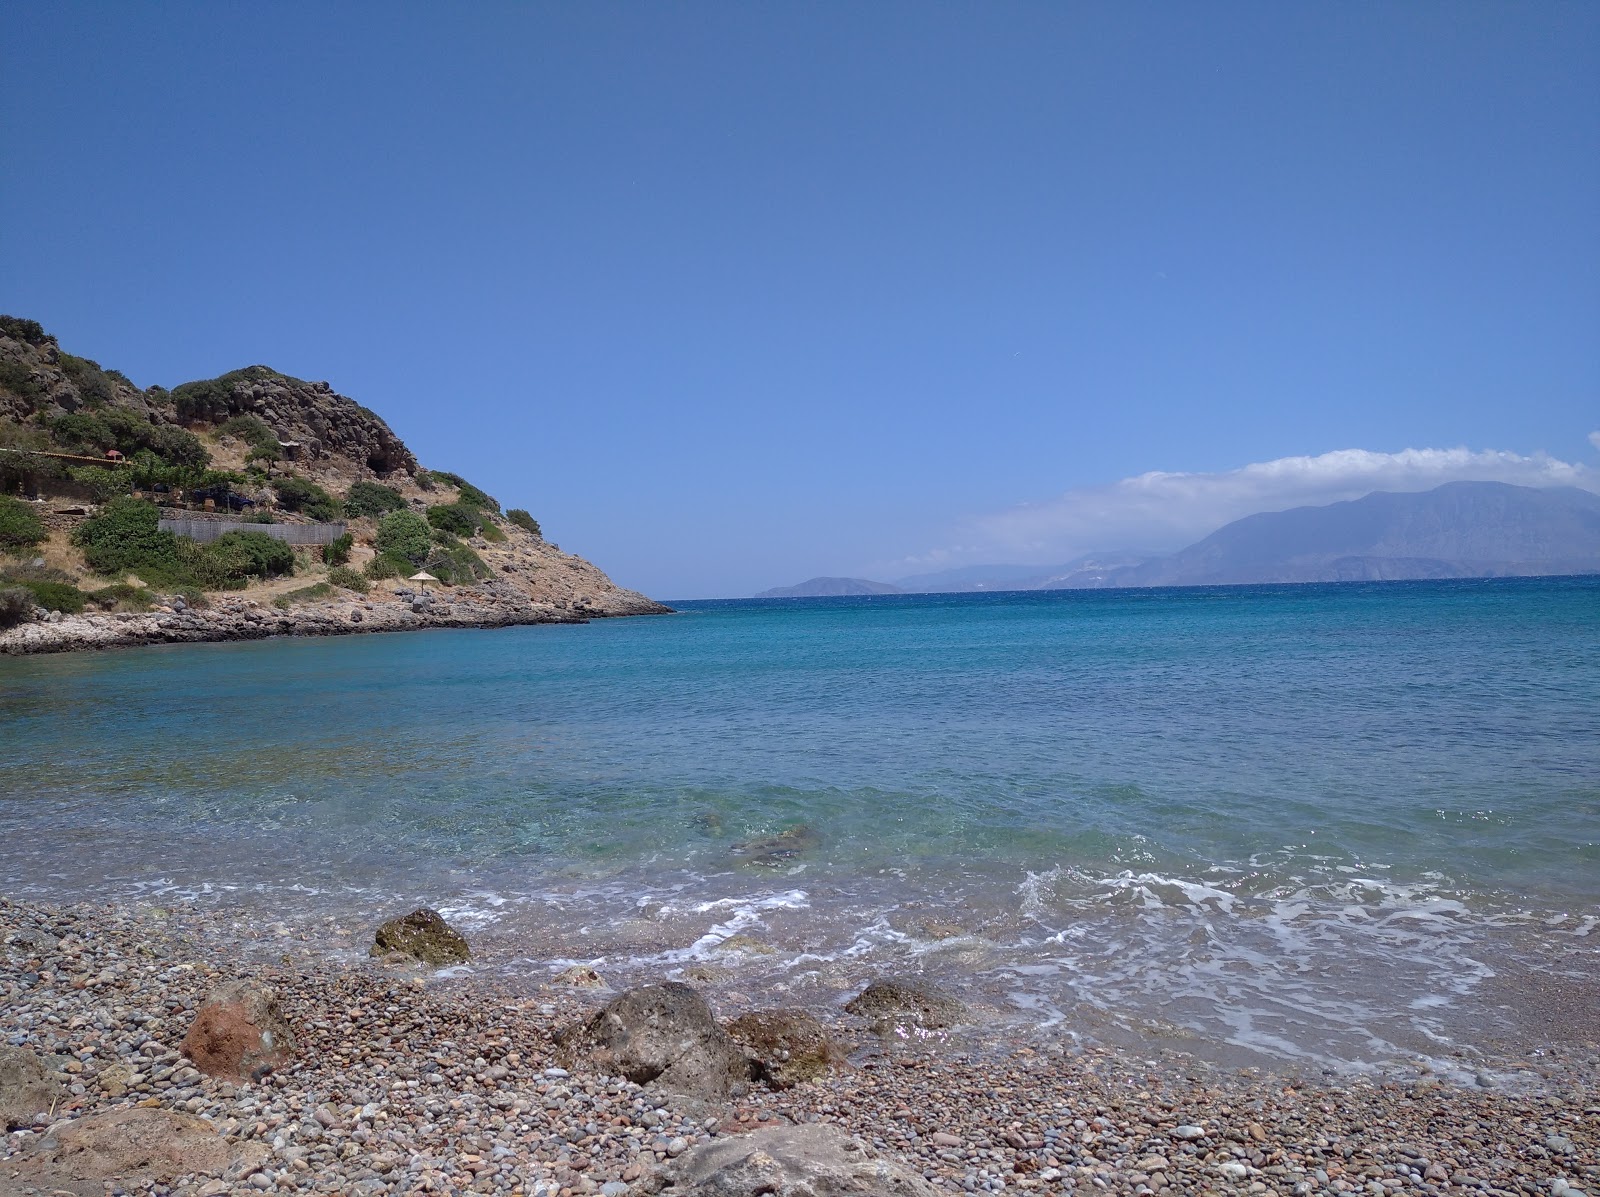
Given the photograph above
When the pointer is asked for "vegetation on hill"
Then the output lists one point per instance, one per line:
(468, 493)
(20, 528)
(372, 498)
(459, 519)
(57, 409)
(526, 522)
(125, 538)
(404, 534)
(306, 497)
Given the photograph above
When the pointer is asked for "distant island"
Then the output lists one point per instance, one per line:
(1458, 530)
(243, 506)
(830, 587)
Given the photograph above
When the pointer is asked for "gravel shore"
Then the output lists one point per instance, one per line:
(412, 1082)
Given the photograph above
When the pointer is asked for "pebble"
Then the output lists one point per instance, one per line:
(451, 1088)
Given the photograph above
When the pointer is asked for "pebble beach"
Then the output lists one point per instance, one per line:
(410, 1081)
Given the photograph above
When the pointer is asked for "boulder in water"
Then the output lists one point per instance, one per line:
(787, 1047)
(662, 1035)
(904, 1001)
(423, 935)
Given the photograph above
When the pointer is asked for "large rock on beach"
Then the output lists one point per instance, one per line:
(663, 1035)
(239, 1033)
(906, 1002)
(423, 935)
(26, 1088)
(786, 1047)
(129, 1147)
(787, 1161)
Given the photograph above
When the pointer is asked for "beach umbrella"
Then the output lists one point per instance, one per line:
(424, 577)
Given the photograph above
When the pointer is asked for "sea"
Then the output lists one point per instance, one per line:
(1349, 829)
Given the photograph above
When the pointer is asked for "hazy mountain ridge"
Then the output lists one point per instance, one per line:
(1458, 530)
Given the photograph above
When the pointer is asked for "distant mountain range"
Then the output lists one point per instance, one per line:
(1459, 530)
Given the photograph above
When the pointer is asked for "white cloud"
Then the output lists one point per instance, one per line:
(1162, 511)
(1594, 439)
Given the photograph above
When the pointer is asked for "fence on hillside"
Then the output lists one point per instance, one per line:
(205, 531)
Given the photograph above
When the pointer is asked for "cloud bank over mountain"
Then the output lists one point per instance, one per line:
(1162, 511)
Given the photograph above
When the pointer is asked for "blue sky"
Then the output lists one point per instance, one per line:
(730, 295)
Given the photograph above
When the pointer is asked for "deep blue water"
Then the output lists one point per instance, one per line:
(1199, 806)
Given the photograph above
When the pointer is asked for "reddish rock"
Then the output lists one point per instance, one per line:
(239, 1033)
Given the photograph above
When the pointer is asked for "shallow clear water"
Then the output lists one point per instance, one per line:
(1316, 823)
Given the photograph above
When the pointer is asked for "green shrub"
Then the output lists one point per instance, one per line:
(261, 517)
(19, 329)
(204, 566)
(52, 589)
(404, 534)
(18, 380)
(372, 498)
(103, 482)
(453, 562)
(252, 430)
(96, 386)
(306, 594)
(177, 446)
(469, 493)
(337, 551)
(306, 497)
(123, 596)
(267, 557)
(523, 520)
(83, 432)
(389, 565)
(343, 575)
(125, 536)
(53, 596)
(459, 519)
(16, 605)
(20, 527)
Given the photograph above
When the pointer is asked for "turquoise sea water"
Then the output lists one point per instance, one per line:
(1311, 823)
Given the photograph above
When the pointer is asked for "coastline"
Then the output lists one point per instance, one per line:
(411, 1081)
(243, 618)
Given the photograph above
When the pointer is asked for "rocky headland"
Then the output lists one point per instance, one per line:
(249, 456)
(192, 1052)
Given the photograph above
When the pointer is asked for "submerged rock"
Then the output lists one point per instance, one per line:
(747, 944)
(663, 1035)
(26, 1088)
(239, 1033)
(788, 1161)
(579, 975)
(423, 935)
(774, 850)
(904, 1001)
(787, 1047)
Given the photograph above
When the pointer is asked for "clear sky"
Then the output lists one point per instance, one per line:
(733, 294)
